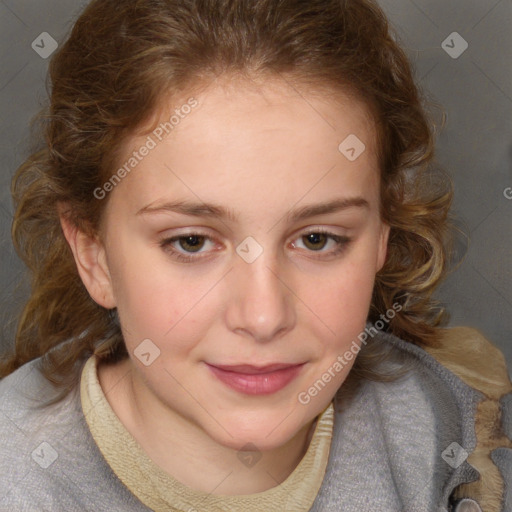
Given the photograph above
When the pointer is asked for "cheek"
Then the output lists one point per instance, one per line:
(354, 291)
(357, 275)
(341, 309)
(156, 304)
(341, 301)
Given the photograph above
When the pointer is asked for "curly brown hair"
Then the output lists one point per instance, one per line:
(106, 81)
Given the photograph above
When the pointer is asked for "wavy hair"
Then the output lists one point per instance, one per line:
(106, 82)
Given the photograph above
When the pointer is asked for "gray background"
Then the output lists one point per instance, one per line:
(474, 89)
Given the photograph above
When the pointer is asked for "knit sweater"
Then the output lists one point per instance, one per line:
(418, 444)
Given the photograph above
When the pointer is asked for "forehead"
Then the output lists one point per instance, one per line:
(273, 102)
(270, 101)
(241, 134)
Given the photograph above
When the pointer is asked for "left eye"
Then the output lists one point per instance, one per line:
(318, 240)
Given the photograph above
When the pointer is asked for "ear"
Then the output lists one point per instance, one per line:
(91, 262)
(382, 250)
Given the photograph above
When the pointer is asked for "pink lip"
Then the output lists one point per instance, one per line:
(254, 380)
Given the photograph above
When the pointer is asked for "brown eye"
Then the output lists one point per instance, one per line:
(192, 243)
(325, 243)
(188, 247)
(315, 241)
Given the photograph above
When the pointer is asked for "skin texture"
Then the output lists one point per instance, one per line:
(261, 151)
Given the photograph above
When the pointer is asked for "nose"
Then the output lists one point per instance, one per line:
(260, 304)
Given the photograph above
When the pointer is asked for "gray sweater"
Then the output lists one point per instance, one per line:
(399, 446)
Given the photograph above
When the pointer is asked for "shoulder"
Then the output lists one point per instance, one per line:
(471, 375)
(397, 431)
(49, 459)
(30, 435)
(466, 352)
(476, 361)
(22, 395)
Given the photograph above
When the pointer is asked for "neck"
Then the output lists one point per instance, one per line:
(185, 451)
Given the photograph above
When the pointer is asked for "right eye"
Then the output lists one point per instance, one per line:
(181, 246)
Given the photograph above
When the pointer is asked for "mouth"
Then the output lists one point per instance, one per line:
(250, 369)
(257, 380)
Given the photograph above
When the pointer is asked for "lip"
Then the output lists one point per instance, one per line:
(256, 380)
(250, 369)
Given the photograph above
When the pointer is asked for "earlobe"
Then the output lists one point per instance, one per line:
(383, 246)
(91, 262)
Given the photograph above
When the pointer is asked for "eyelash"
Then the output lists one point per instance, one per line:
(342, 243)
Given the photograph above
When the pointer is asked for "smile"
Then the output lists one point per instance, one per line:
(252, 380)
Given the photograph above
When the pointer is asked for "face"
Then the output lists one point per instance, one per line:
(246, 237)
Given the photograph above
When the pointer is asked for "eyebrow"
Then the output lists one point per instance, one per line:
(212, 210)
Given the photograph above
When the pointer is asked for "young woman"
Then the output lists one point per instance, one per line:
(234, 233)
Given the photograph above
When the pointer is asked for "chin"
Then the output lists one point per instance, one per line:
(253, 442)
(266, 434)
